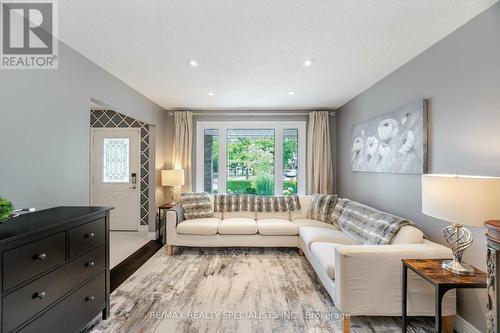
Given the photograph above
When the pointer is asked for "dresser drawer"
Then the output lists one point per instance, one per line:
(73, 312)
(26, 261)
(86, 237)
(24, 303)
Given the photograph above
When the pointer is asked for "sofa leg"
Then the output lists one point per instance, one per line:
(346, 324)
(301, 253)
(448, 323)
(170, 250)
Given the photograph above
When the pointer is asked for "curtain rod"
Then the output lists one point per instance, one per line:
(267, 114)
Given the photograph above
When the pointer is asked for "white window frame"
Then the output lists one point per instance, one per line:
(279, 127)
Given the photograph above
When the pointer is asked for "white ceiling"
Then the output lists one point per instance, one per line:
(250, 52)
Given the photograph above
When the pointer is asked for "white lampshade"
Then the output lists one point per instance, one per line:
(467, 200)
(172, 177)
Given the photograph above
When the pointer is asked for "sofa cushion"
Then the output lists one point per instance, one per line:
(237, 226)
(196, 205)
(276, 227)
(217, 213)
(273, 215)
(204, 226)
(408, 235)
(321, 207)
(310, 235)
(305, 203)
(249, 215)
(313, 223)
(324, 254)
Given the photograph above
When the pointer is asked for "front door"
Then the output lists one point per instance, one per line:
(115, 174)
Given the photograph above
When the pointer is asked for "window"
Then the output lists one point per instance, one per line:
(250, 157)
(250, 161)
(290, 161)
(211, 160)
(115, 161)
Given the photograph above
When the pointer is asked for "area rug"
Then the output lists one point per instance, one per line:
(230, 291)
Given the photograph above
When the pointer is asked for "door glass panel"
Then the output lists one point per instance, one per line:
(250, 161)
(211, 160)
(290, 160)
(115, 160)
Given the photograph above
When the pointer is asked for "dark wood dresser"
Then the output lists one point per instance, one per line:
(493, 264)
(55, 269)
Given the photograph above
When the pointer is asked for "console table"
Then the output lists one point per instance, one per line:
(442, 280)
(55, 269)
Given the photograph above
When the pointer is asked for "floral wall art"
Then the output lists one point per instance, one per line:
(393, 143)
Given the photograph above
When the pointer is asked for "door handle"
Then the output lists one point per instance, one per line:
(133, 178)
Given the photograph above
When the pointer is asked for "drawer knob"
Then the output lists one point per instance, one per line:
(89, 299)
(41, 256)
(90, 264)
(40, 295)
(90, 235)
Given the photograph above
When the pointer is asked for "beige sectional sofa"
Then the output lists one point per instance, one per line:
(363, 280)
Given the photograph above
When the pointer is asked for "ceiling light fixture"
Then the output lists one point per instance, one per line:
(211, 94)
(193, 63)
(308, 63)
(291, 93)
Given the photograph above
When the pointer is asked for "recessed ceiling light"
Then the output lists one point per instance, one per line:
(193, 63)
(211, 94)
(308, 63)
(291, 92)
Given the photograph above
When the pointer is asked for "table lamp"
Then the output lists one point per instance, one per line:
(462, 200)
(171, 179)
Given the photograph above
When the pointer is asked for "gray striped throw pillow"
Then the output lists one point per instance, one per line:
(321, 207)
(196, 205)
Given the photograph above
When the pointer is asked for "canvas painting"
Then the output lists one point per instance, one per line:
(393, 143)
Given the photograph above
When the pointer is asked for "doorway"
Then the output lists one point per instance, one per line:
(115, 170)
(126, 137)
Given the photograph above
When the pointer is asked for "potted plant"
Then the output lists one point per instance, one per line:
(6, 209)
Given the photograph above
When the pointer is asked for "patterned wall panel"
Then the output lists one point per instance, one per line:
(113, 119)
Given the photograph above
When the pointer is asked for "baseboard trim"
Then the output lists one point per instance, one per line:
(463, 326)
(152, 235)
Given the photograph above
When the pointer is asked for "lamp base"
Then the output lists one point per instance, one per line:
(459, 239)
(458, 267)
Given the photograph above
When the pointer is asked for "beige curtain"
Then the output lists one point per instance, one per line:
(319, 154)
(183, 142)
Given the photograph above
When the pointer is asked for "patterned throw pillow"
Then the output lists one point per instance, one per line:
(338, 210)
(321, 207)
(196, 205)
(277, 203)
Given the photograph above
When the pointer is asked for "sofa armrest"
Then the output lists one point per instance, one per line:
(368, 279)
(174, 216)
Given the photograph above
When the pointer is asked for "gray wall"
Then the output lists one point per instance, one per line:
(461, 77)
(44, 129)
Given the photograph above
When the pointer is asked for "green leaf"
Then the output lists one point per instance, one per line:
(6, 209)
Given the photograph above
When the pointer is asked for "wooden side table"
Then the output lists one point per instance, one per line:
(160, 209)
(442, 280)
(164, 207)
